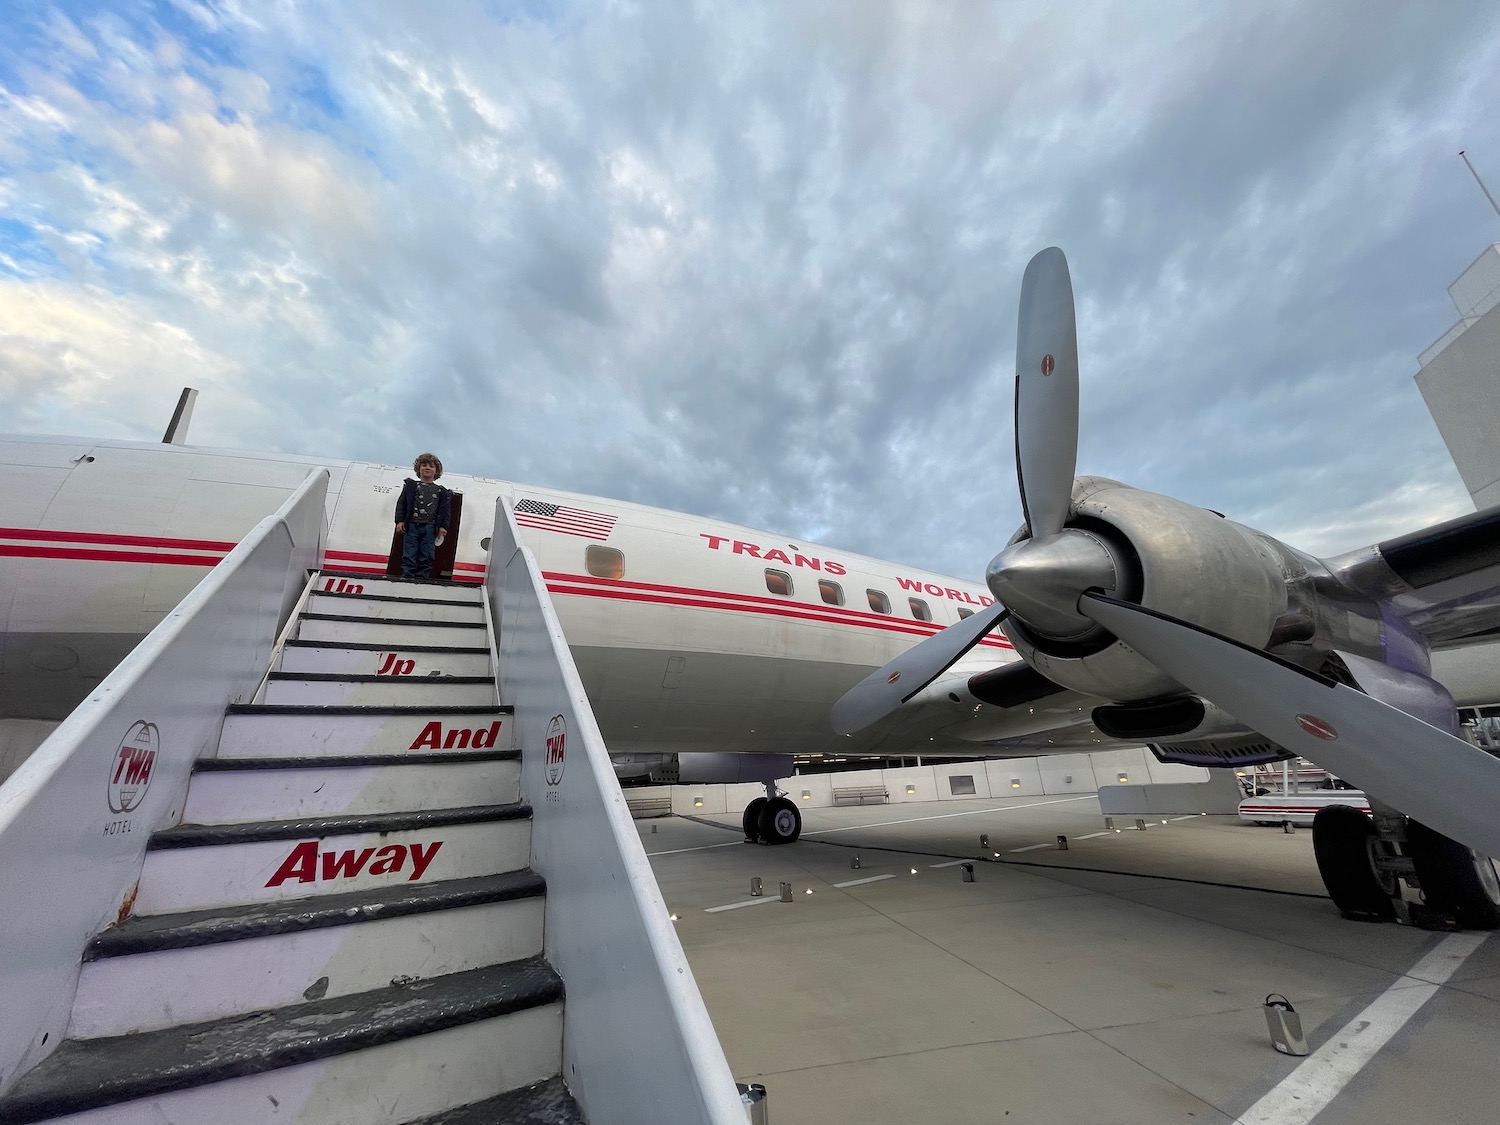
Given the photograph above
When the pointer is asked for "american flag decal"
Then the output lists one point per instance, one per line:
(564, 520)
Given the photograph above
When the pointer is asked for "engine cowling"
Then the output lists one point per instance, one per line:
(1169, 556)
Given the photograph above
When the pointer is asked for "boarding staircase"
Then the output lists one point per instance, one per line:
(344, 927)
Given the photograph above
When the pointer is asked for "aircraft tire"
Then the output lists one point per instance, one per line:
(751, 820)
(1342, 841)
(1455, 879)
(780, 822)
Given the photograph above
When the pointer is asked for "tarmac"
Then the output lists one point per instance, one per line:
(1122, 980)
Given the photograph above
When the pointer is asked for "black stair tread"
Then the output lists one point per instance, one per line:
(347, 824)
(383, 577)
(376, 646)
(346, 595)
(146, 933)
(89, 1073)
(399, 621)
(349, 761)
(545, 1103)
(367, 678)
(363, 709)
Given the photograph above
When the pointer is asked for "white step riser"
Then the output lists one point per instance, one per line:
(388, 691)
(150, 990)
(332, 585)
(395, 611)
(392, 1083)
(223, 874)
(227, 797)
(391, 633)
(272, 736)
(396, 663)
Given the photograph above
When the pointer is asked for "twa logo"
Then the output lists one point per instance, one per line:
(433, 737)
(303, 863)
(394, 666)
(557, 737)
(130, 770)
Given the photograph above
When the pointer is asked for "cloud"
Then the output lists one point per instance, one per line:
(760, 263)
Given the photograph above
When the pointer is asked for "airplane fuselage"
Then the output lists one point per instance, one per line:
(690, 634)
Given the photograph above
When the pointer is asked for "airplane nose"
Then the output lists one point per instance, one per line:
(1041, 580)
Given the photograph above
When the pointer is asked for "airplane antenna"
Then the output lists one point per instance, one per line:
(177, 428)
(1480, 182)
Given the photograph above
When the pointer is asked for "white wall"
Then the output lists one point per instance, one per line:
(638, 1046)
(69, 863)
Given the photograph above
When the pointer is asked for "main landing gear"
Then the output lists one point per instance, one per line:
(771, 819)
(1368, 864)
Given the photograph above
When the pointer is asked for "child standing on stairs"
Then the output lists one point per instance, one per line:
(422, 516)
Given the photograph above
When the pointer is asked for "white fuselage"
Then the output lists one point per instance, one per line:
(683, 640)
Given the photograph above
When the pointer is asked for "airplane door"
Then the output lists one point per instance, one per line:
(443, 558)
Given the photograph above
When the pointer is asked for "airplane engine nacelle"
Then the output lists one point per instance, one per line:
(1169, 556)
(732, 769)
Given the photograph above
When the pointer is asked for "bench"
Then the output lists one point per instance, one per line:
(861, 793)
(643, 808)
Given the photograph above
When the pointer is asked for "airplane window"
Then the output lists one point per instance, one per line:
(878, 601)
(962, 613)
(604, 562)
(831, 592)
(779, 582)
(919, 609)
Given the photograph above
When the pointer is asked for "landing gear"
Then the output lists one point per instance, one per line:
(1345, 844)
(771, 819)
(1455, 879)
(751, 820)
(780, 822)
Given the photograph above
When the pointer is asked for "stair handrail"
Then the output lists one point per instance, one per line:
(638, 1044)
(76, 816)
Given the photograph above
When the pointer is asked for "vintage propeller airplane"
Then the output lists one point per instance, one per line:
(714, 652)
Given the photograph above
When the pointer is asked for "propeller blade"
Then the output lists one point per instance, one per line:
(1440, 780)
(1046, 393)
(885, 689)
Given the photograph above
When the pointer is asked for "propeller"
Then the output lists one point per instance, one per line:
(885, 689)
(1444, 782)
(1037, 579)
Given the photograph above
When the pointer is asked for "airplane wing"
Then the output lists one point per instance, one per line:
(1444, 580)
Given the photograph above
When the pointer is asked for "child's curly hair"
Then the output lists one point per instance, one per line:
(416, 466)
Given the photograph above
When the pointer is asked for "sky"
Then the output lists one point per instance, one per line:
(756, 261)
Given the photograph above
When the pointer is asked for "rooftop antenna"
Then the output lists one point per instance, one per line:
(177, 428)
(1477, 180)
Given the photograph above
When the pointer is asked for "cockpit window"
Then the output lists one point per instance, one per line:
(604, 562)
(779, 582)
(878, 601)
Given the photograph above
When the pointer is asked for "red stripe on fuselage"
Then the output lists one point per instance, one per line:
(96, 537)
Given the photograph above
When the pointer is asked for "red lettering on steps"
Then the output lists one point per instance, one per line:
(302, 864)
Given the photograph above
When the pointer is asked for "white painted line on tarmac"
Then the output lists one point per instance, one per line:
(1034, 848)
(704, 848)
(857, 882)
(1093, 835)
(748, 902)
(1306, 1092)
(950, 863)
(947, 816)
(1190, 816)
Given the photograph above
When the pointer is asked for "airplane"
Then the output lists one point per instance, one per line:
(1113, 617)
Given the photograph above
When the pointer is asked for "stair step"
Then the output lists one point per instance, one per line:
(312, 689)
(277, 859)
(149, 971)
(350, 582)
(386, 1055)
(545, 1103)
(371, 660)
(225, 791)
(255, 731)
(387, 608)
(375, 630)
